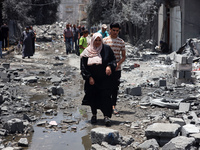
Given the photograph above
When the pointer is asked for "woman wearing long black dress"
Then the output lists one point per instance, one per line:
(97, 64)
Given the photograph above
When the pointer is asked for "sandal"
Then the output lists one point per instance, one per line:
(115, 111)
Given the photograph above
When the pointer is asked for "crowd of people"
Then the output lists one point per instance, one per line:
(101, 60)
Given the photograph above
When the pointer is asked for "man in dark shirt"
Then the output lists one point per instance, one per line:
(5, 33)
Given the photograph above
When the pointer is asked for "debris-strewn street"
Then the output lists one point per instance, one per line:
(41, 97)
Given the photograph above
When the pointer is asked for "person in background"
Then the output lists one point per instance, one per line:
(164, 47)
(34, 38)
(75, 34)
(83, 41)
(97, 65)
(27, 43)
(5, 33)
(68, 38)
(1, 39)
(103, 31)
(118, 47)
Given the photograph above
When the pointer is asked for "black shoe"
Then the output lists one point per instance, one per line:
(28, 56)
(23, 57)
(94, 119)
(107, 121)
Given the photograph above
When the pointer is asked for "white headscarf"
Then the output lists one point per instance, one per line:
(92, 52)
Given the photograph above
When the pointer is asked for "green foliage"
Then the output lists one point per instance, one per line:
(31, 11)
(138, 12)
(16, 10)
(45, 11)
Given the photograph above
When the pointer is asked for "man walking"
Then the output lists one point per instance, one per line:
(5, 33)
(68, 38)
(103, 31)
(75, 37)
(118, 47)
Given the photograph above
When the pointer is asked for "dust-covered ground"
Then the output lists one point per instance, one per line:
(135, 112)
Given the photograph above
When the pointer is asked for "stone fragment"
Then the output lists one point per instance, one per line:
(31, 79)
(23, 142)
(99, 135)
(14, 125)
(181, 59)
(196, 136)
(152, 143)
(179, 121)
(6, 65)
(135, 91)
(162, 132)
(179, 143)
(184, 107)
(189, 129)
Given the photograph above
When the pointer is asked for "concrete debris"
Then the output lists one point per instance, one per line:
(149, 144)
(162, 132)
(14, 125)
(101, 136)
(180, 142)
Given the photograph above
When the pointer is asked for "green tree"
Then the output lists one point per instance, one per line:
(45, 11)
(17, 10)
(138, 12)
(31, 11)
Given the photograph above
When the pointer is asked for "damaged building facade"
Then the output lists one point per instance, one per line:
(177, 21)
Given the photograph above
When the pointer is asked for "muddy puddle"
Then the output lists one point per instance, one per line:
(75, 135)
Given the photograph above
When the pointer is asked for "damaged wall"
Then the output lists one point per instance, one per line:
(190, 16)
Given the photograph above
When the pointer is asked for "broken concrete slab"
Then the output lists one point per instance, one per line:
(98, 135)
(23, 142)
(134, 91)
(162, 132)
(188, 129)
(196, 136)
(14, 125)
(180, 142)
(184, 107)
(149, 144)
(179, 121)
(31, 79)
(170, 103)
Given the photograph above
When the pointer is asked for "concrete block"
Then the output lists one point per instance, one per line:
(179, 143)
(179, 121)
(196, 136)
(135, 91)
(162, 83)
(190, 60)
(188, 129)
(180, 74)
(187, 74)
(184, 107)
(172, 55)
(6, 65)
(149, 144)
(162, 132)
(180, 59)
(99, 135)
(14, 125)
(186, 67)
